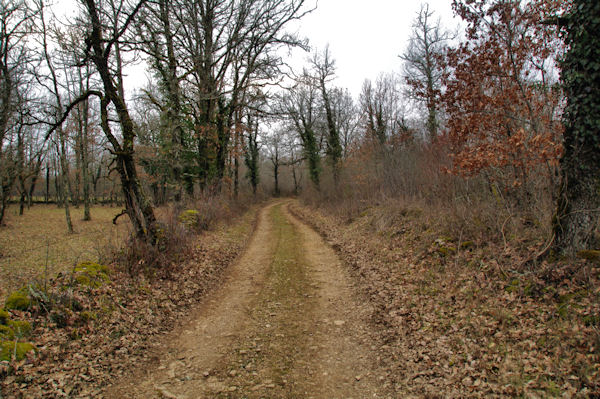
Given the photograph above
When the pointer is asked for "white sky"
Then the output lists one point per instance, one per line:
(365, 37)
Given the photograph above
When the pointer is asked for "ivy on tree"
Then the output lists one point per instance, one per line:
(576, 219)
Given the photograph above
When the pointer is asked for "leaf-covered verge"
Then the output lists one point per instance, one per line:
(456, 317)
(103, 321)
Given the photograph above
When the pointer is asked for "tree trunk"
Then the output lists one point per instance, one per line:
(276, 176)
(65, 178)
(83, 150)
(576, 219)
(2, 207)
(47, 183)
(578, 210)
(138, 206)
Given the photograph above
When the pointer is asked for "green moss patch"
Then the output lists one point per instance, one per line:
(467, 245)
(18, 300)
(189, 218)
(18, 350)
(6, 333)
(4, 317)
(91, 274)
(20, 328)
(87, 316)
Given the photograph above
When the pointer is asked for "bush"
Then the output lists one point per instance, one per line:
(189, 218)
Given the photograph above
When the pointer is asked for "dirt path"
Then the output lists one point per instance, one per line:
(285, 324)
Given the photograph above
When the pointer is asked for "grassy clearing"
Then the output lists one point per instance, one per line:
(38, 242)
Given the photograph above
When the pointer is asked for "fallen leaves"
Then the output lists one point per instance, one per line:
(463, 324)
(125, 319)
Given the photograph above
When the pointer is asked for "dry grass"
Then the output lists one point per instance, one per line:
(38, 244)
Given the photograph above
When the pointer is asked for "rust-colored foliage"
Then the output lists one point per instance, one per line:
(502, 95)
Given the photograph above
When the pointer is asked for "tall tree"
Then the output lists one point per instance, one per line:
(56, 110)
(577, 215)
(252, 151)
(275, 150)
(347, 118)
(107, 26)
(423, 65)
(16, 24)
(300, 107)
(381, 109)
(224, 48)
(156, 32)
(324, 69)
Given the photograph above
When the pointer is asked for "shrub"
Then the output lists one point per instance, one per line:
(189, 218)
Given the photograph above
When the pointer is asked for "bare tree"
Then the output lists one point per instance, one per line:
(226, 47)
(324, 68)
(16, 23)
(381, 109)
(107, 25)
(56, 110)
(299, 107)
(275, 146)
(346, 118)
(252, 151)
(423, 68)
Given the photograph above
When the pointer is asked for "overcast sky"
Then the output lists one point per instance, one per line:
(366, 36)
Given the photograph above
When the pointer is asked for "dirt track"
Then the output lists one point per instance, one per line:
(286, 324)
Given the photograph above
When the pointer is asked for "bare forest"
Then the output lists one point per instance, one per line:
(193, 206)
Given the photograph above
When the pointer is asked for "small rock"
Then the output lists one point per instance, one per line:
(166, 394)
(232, 373)
(339, 323)
(358, 377)
(206, 374)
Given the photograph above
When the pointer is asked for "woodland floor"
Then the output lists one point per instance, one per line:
(286, 324)
(277, 311)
